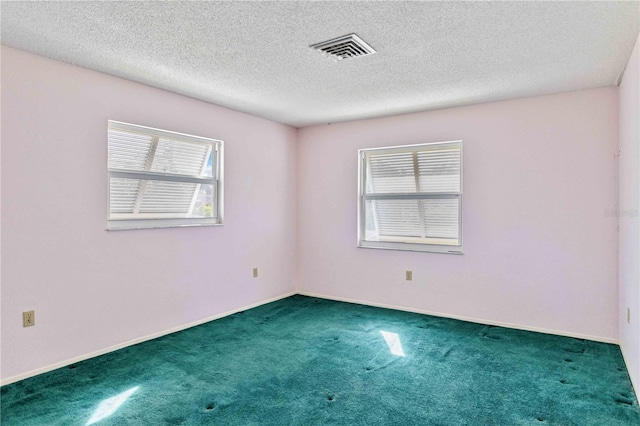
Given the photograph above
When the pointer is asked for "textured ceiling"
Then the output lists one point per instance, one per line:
(254, 56)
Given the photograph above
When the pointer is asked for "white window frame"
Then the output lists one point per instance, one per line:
(363, 197)
(114, 224)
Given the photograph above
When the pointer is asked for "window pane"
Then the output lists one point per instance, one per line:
(167, 197)
(123, 195)
(389, 173)
(128, 150)
(134, 152)
(392, 218)
(204, 205)
(439, 170)
(399, 221)
(441, 217)
(182, 158)
(153, 199)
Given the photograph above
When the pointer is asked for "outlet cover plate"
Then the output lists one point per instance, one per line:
(28, 318)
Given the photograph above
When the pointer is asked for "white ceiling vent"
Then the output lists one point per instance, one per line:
(348, 46)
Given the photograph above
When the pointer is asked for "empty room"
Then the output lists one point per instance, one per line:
(320, 213)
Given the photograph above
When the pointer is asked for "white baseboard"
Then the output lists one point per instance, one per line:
(463, 318)
(60, 364)
(635, 385)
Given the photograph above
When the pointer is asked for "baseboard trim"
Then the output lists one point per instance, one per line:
(464, 318)
(84, 357)
(635, 385)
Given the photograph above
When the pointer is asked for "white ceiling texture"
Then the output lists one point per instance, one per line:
(255, 56)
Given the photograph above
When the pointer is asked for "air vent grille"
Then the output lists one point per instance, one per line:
(348, 46)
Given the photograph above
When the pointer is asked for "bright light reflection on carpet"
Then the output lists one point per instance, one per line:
(110, 406)
(393, 341)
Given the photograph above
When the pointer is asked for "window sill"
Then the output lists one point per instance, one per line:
(119, 226)
(457, 250)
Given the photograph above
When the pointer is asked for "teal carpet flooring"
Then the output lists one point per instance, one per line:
(307, 361)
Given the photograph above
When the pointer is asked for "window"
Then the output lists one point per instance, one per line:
(411, 197)
(160, 179)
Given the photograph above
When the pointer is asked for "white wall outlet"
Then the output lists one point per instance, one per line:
(408, 275)
(255, 272)
(28, 318)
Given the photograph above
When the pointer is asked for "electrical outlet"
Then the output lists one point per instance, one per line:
(255, 272)
(28, 318)
(408, 275)
(628, 315)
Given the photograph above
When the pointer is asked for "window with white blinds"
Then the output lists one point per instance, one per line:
(159, 178)
(411, 197)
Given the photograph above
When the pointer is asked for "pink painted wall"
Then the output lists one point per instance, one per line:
(629, 251)
(540, 251)
(90, 288)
